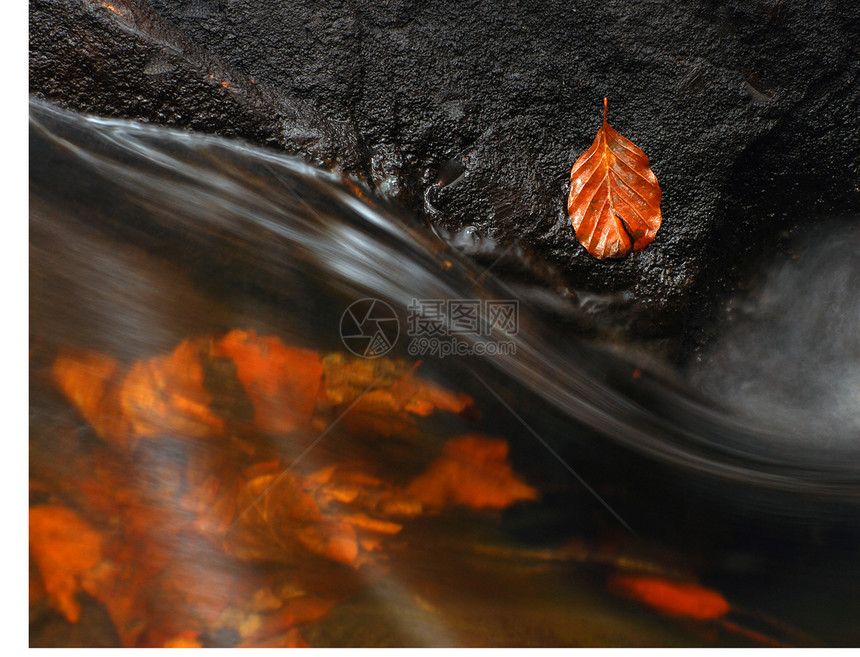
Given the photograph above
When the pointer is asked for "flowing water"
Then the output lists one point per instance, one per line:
(740, 474)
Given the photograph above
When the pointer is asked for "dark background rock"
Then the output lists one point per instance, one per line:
(470, 114)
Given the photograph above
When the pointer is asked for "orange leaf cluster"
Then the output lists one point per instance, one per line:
(614, 200)
(168, 394)
(340, 513)
(185, 515)
(161, 582)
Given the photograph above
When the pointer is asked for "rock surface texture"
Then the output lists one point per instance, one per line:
(470, 114)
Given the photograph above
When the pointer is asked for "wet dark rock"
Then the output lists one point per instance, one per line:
(471, 115)
(121, 59)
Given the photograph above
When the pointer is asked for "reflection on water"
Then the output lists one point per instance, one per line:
(210, 465)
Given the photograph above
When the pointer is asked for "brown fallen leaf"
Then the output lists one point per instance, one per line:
(65, 548)
(614, 200)
(473, 471)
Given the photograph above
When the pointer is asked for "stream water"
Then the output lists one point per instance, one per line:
(740, 474)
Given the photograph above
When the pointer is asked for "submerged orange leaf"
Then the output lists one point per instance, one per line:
(87, 380)
(673, 598)
(614, 200)
(162, 394)
(422, 398)
(387, 394)
(282, 382)
(65, 548)
(165, 394)
(279, 522)
(473, 471)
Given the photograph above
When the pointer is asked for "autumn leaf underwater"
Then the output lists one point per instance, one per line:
(237, 496)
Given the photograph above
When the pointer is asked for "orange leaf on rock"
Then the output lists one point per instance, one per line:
(65, 548)
(673, 598)
(614, 200)
(282, 382)
(473, 471)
